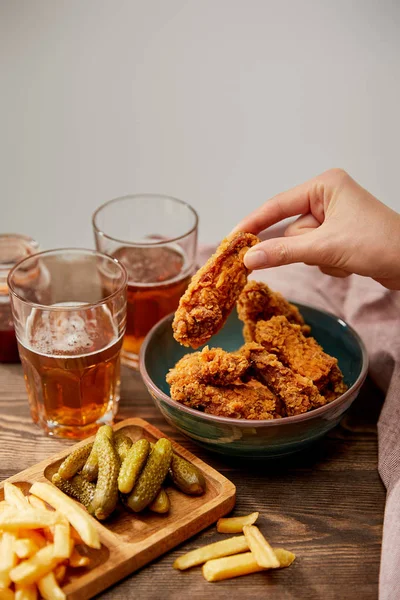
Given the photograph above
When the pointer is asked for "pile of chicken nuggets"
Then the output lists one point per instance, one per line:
(280, 371)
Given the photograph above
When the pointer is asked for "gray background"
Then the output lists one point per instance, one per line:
(222, 103)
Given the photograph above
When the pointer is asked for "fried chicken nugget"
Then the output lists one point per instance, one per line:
(213, 366)
(301, 354)
(258, 302)
(213, 291)
(250, 400)
(297, 393)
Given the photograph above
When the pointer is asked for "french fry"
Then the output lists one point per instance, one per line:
(77, 560)
(262, 551)
(226, 547)
(36, 567)
(236, 524)
(59, 572)
(231, 566)
(25, 592)
(29, 518)
(75, 536)
(62, 542)
(49, 588)
(8, 558)
(14, 496)
(76, 515)
(284, 556)
(37, 502)
(25, 547)
(7, 594)
(33, 535)
(3, 505)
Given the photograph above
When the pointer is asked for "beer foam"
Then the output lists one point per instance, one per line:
(70, 333)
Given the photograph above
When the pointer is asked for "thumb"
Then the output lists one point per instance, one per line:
(285, 250)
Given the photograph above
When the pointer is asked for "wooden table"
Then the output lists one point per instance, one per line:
(325, 504)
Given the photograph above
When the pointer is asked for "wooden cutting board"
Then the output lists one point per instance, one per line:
(129, 541)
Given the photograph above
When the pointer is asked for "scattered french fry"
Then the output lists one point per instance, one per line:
(7, 594)
(231, 566)
(284, 556)
(76, 515)
(25, 592)
(37, 502)
(236, 524)
(262, 551)
(77, 560)
(62, 541)
(226, 547)
(14, 496)
(36, 567)
(25, 547)
(29, 518)
(49, 588)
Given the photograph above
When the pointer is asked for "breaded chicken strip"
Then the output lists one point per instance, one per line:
(257, 302)
(213, 291)
(213, 366)
(250, 400)
(301, 354)
(298, 393)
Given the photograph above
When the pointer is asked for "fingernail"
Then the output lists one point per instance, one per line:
(255, 259)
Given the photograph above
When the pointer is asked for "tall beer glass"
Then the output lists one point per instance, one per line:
(155, 238)
(69, 311)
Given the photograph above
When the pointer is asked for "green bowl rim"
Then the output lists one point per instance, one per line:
(254, 422)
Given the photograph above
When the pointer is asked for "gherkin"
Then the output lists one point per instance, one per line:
(106, 494)
(122, 444)
(161, 503)
(188, 478)
(74, 461)
(91, 467)
(78, 487)
(133, 465)
(152, 476)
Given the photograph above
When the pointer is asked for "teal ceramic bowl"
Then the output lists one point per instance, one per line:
(250, 438)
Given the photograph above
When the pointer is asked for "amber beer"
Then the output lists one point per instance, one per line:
(73, 374)
(157, 278)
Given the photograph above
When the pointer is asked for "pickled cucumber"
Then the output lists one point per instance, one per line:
(133, 465)
(91, 468)
(74, 461)
(106, 494)
(161, 503)
(188, 478)
(122, 444)
(77, 487)
(152, 476)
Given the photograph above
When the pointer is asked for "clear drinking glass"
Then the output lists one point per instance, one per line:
(13, 248)
(155, 238)
(69, 310)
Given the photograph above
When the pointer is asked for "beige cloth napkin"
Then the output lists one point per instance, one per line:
(375, 313)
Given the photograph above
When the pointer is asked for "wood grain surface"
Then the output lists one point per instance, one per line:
(325, 504)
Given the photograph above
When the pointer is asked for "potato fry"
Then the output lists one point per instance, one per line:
(226, 547)
(236, 524)
(262, 551)
(284, 556)
(29, 518)
(63, 544)
(59, 572)
(75, 536)
(25, 592)
(3, 505)
(36, 567)
(14, 496)
(49, 588)
(25, 547)
(8, 558)
(37, 502)
(33, 535)
(231, 566)
(7, 594)
(75, 514)
(77, 560)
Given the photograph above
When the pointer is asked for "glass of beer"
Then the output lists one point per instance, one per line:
(155, 238)
(69, 311)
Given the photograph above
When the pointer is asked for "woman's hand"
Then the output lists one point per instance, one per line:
(342, 229)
